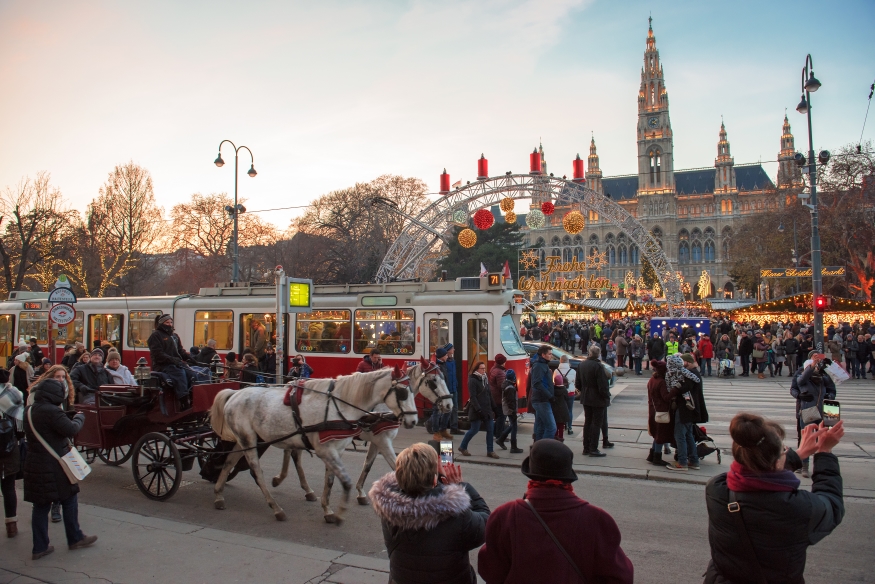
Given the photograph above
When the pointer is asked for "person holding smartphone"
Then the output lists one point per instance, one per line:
(430, 519)
(760, 523)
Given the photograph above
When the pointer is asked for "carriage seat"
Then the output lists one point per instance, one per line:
(166, 383)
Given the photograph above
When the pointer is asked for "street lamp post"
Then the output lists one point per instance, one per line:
(237, 208)
(810, 84)
(795, 250)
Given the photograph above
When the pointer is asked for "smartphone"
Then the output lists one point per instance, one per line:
(446, 452)
(831, 412)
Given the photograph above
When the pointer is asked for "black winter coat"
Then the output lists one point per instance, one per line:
(656, 348)
(87, 380)
(165, 349)
(593, 384)
(559, 405)
(481, 406)
(205, 357)
(44, 479)
(745, 346)
(688, 416)
(781, 525)
(428, 537)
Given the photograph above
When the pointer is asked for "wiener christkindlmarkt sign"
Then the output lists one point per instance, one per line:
(555, 265)
(800, 272)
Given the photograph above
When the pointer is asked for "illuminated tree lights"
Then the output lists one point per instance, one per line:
(547, 208)
(535, 219)
(483, 219)
(507, 204)
(467, 238)
(573, 222)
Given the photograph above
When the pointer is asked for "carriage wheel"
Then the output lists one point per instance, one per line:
(212, 442)
(115, 456)
(89, 454)
(157, 466)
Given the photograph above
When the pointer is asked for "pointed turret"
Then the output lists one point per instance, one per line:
(543, 158)
(655, 159)
(788, 173)
(724, 178)
(593, 172)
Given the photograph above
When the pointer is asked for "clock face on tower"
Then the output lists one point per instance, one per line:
(653, 122)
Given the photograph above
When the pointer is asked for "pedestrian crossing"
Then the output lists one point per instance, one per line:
(769, 397)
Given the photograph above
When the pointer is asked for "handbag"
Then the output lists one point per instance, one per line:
(660, 417)
(556, 541)
(757, 354)
(810, 415)
(72, 463)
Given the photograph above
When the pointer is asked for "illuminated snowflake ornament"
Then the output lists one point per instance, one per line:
(529, 259)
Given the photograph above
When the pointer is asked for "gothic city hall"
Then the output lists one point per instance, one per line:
(692, 213)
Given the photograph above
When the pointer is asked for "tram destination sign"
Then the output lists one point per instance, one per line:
(801, 272)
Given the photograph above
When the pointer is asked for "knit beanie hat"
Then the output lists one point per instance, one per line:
(113, 354)
(500, 359)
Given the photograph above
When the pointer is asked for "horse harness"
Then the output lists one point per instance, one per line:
(294, 394)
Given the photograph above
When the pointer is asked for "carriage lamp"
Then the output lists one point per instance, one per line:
(216, 365)
(142, 373)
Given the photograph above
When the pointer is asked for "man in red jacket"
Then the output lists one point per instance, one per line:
(706, 350)
(517, 531)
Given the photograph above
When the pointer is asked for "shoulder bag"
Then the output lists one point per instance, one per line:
(660, 417)
(758, 354)
(734, 508)
(72, 463)
(556, 541)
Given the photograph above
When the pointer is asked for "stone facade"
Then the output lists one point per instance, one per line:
(692, 212)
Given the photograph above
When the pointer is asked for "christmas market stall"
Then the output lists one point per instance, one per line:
(799, 308)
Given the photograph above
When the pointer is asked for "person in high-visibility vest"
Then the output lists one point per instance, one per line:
(671, 345)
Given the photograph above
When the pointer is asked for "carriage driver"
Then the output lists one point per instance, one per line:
(168, 357)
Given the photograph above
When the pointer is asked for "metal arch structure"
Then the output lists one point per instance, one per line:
(419, 236)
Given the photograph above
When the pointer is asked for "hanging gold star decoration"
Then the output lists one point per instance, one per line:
(704, 284)
(529, 259)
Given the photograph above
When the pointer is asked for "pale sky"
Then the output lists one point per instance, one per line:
(330, 93)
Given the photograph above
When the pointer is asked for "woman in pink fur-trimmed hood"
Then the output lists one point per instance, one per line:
(430, 518)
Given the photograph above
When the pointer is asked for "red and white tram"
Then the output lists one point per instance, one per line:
(402, 319)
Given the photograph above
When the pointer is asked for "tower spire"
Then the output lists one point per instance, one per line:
(593, 172)
(724, 178)
(788, 172)
(655, 160)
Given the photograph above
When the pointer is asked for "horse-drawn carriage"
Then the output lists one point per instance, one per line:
(145, 424)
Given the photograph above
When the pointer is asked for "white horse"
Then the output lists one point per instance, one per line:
(244, 416)
(425, 378)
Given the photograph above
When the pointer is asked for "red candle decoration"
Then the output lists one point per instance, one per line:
(547, 208)
(578, 170)
(535, 162)
(445, 182)
(483, 219)
(482, 167)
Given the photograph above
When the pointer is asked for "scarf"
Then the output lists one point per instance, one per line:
(676, 372)
(741, 479)
(550, 484)
(12, 405)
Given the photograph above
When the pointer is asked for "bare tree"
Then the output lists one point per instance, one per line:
(33, 221)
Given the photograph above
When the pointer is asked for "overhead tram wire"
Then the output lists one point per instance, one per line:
(866, 117)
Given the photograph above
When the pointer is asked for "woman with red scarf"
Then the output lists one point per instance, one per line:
(760, 523)
(519, 549)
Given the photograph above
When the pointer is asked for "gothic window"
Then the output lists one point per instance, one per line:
(612, 255)
(684, 235)
(578, 240)
(593, 217)
(710, 255)
(556, 252)
(623, 253)
(566, 240)
(594, 239)
(727, 238)
(633, 253)
(684, 253)
(609, 238)
(566, 254)
(555, 240)
(655, 166)
(578, 253)
(697, 252)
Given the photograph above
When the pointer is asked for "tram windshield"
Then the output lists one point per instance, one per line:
(510, 337)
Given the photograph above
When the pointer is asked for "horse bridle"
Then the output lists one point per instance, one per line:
(401, 388)
(431, 384)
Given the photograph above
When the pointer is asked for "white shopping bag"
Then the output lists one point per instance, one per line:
(837, 374)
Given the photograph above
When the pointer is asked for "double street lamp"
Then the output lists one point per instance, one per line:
(810, 84)
(237, 208)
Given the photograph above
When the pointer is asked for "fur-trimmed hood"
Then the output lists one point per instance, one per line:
(412, 513)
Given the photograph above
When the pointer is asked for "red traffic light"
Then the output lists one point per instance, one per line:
(822, 302)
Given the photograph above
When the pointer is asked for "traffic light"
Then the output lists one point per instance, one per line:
(821, 303)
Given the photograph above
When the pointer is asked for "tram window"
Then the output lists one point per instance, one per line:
(510, 338)
(390, 331)
(214, 324)
(258, 330)
(34, 325)
(73, 332)
(323, 331)
(438, 334)
(141, 323)
(105, 328)
(7, 337)
(478, 341)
